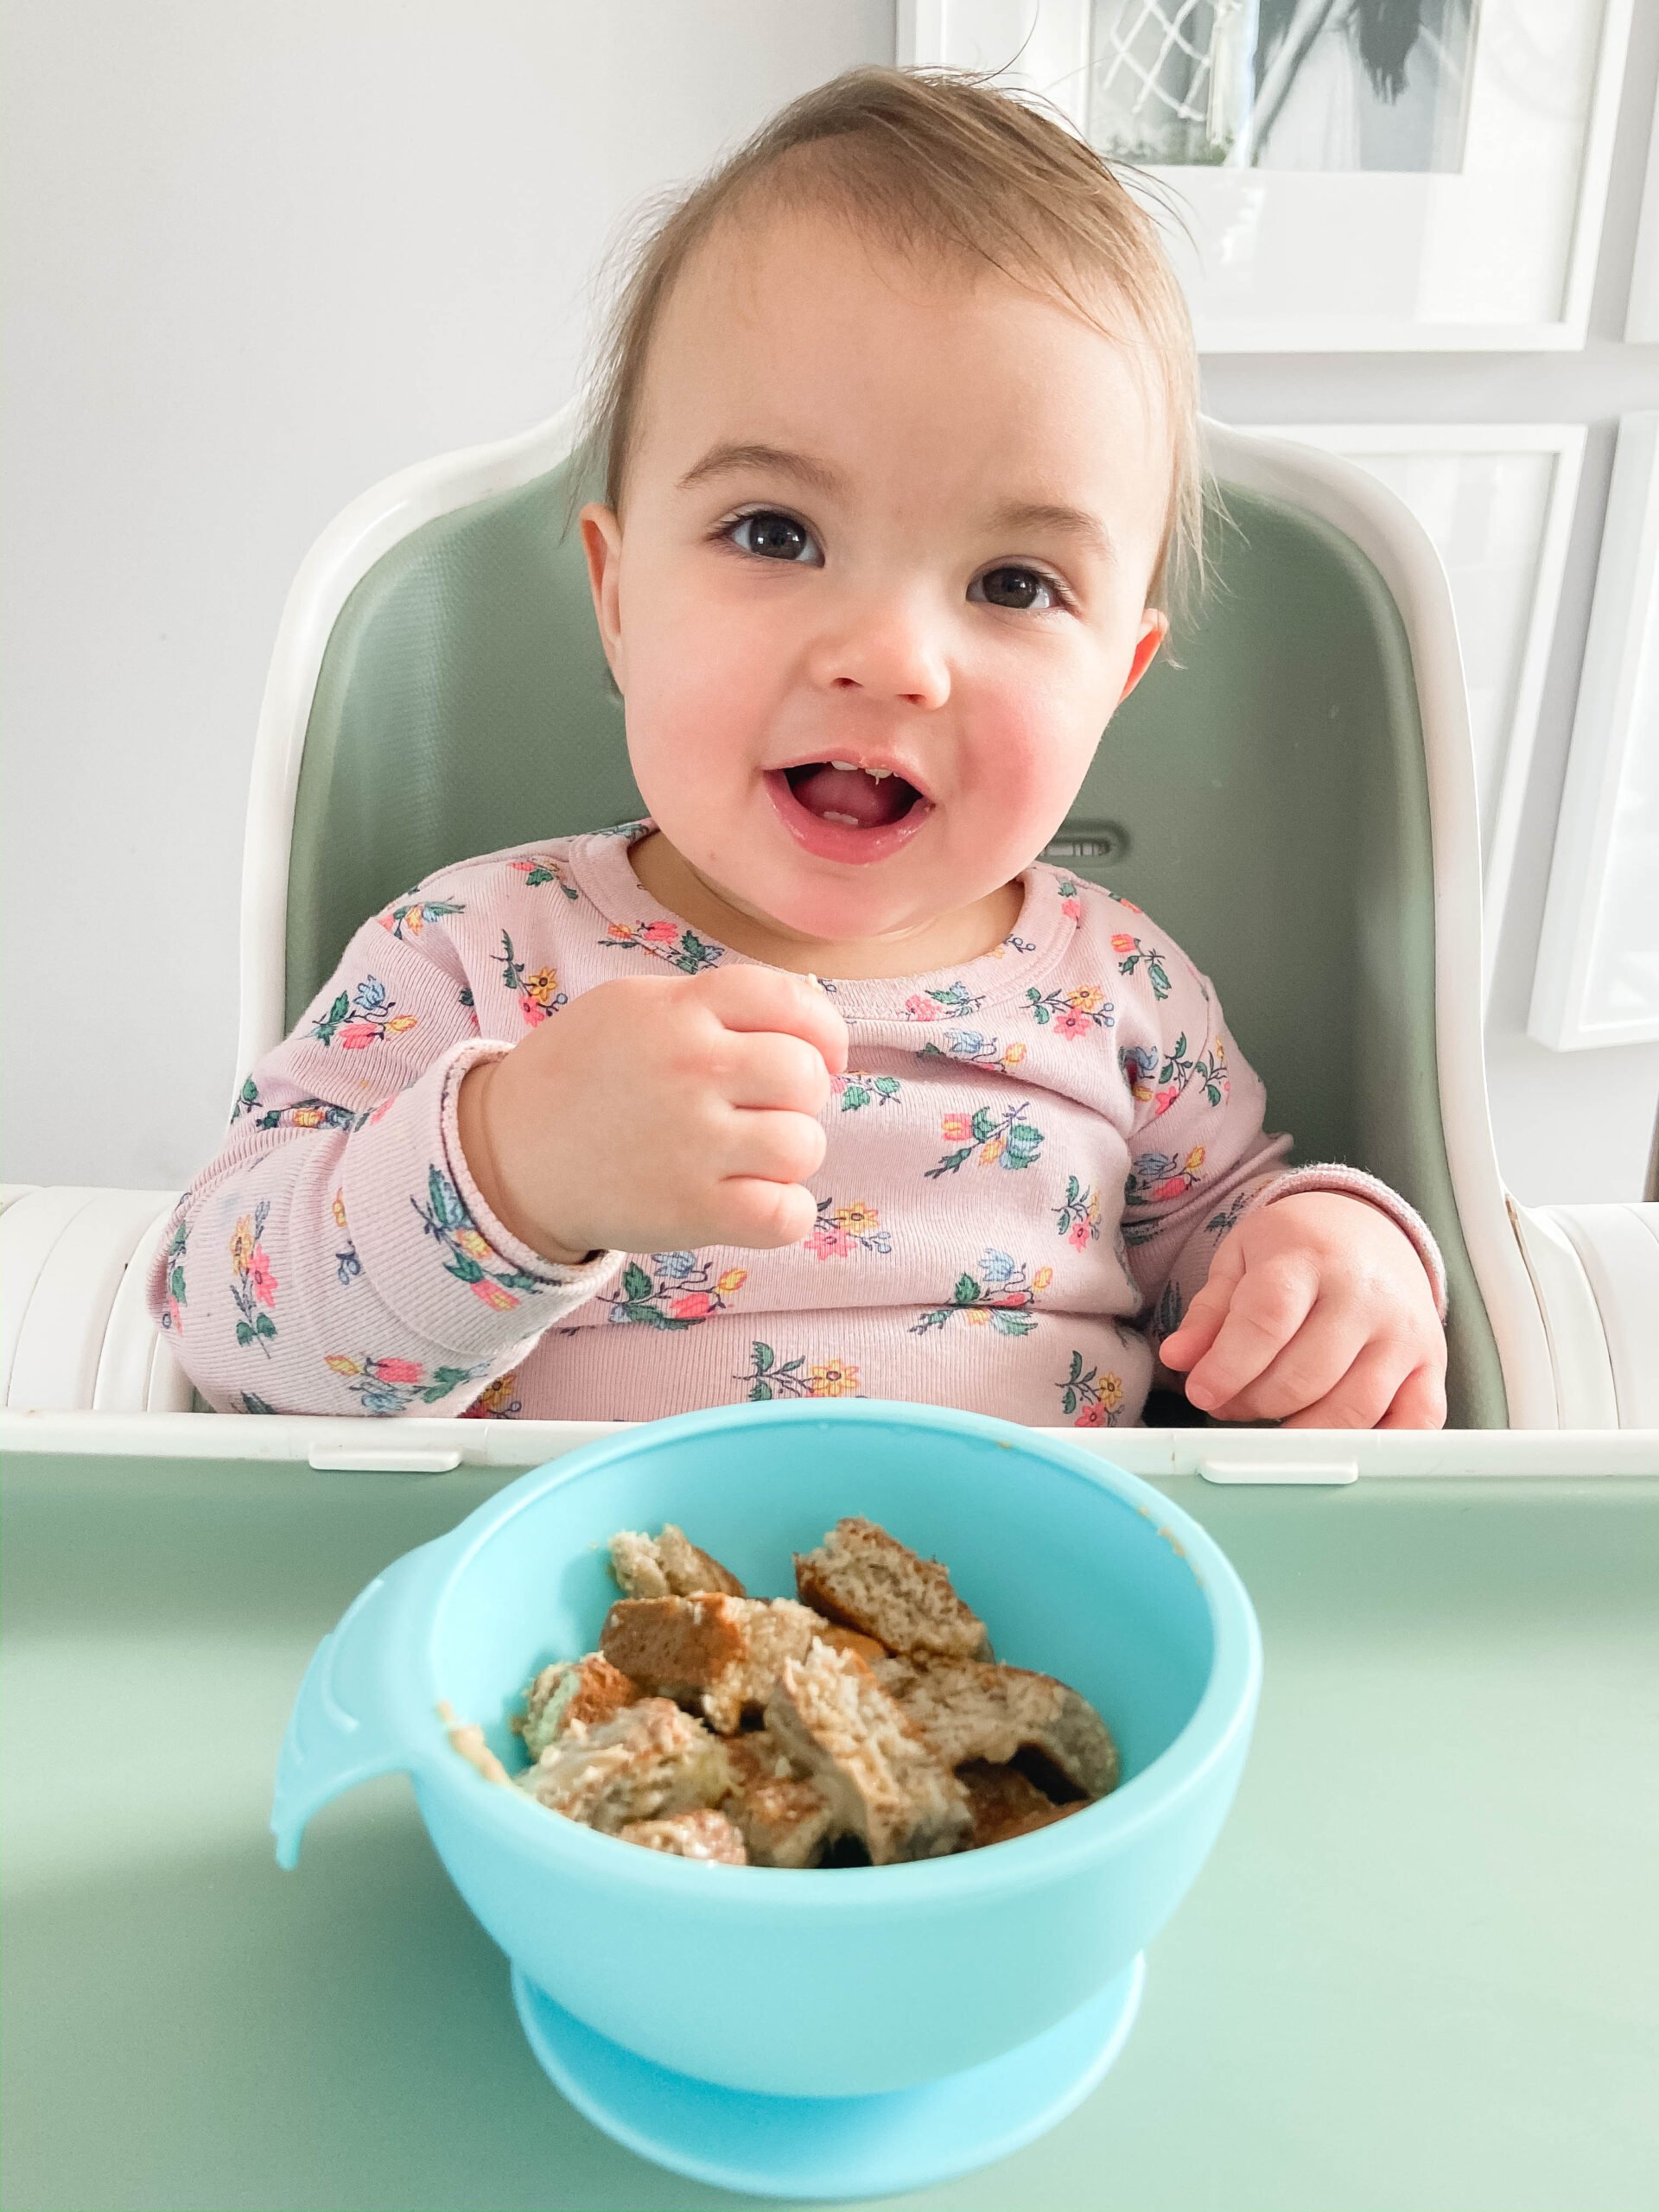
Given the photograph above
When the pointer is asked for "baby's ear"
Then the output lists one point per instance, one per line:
(1154, 628)
(601, 541)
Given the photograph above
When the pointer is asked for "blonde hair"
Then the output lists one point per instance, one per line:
(939, 161)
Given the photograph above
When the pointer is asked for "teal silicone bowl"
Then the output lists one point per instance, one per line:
(833, 1982)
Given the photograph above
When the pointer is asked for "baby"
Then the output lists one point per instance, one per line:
(898, 417)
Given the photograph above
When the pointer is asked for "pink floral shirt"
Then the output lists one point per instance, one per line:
(1031, 1163)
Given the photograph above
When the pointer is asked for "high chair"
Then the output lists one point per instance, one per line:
(1434, 1896)
(1294, 801)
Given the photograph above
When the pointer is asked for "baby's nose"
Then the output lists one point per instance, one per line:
(891, 653)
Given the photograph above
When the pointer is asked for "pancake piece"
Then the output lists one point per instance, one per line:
(719, 1655)
(704, 1834)
(969, 1710)
(866, 1579)
(651, 1760)
(884, 1782)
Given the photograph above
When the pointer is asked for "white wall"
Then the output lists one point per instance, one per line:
(256, 259)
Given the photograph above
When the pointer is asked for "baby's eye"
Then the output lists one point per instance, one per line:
(1027, 590)
(775, 537)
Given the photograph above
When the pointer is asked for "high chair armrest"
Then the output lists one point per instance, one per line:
(1595, 1272)
(75, 1334)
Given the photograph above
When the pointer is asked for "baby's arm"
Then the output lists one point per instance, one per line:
(1340, 1255)
(336, 1257)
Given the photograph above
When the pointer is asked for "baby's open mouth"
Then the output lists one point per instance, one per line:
(858, 799)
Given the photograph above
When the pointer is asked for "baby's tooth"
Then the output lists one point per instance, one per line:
(843, 764)
(876, 774)
(851, 820)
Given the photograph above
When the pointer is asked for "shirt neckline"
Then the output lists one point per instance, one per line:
(1041, 937)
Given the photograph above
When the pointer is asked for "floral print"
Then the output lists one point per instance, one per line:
(363, 1018)
(172, 1276)
(305, 1114)
(537, 869)
(768, 1377)
(1156, 1177)
(390, 1386)
(1003, 1300)
(1005, 1140)
(682, 947)
(974, 1047)
(1181, 1068)
(1079, 1216)
(951, 1003)
(253, 1286)
(839, 1231)
(407, 921)
(1134, 1156)
(683, 1291)
(857, 1091)
(538, 994)
(1090, 1399)
(1074, 1012)
(1139, 1064)
(497, 1401)
(347, 1266)
(445, 1217)
(1134, 955)
(1219, 1224)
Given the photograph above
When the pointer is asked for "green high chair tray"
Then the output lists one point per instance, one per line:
(1416, 1975)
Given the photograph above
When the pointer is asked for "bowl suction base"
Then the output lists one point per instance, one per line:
(831, 2148)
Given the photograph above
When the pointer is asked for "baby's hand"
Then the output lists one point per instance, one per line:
(1317, 1313)
(657, 1114)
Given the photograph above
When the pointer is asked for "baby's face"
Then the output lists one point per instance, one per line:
(878, 517)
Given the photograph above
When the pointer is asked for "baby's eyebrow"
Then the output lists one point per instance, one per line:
(1053, 514)
(732, 456)
(729, 456)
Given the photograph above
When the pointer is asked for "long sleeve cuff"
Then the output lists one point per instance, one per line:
(434, 1251)
(1354, 1182)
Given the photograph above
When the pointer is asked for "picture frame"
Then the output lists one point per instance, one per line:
(1596, 977)
(1498, 252)
(1497, 500)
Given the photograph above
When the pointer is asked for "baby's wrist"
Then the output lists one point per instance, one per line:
(479, 1150)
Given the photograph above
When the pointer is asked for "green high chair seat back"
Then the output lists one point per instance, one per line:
(1265, 802)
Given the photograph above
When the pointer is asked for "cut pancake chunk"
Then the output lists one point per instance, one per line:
(851, 1639)
(668, 1565)
(721, 1653)
(785, 1819)
(851, 795)
(1005, 1802)
(588, 1690)
(967, 1710)
(866, 1579)
(703, 1835)
(886, 1786)
(651, 1761)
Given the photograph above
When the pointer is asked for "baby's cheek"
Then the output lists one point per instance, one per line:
(1026, 769)
(693, 708)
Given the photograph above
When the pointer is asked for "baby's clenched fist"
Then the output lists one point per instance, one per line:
(659, 1113)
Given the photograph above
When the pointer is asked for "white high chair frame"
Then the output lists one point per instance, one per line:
(1571, 1291)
